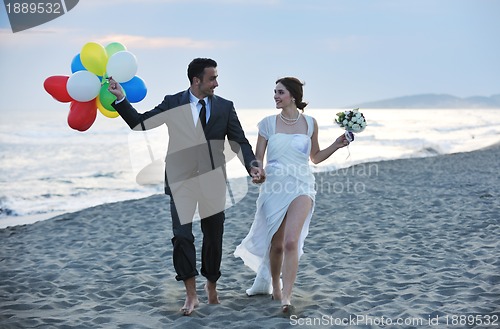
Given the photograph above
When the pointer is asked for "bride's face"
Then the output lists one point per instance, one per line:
(282, 96)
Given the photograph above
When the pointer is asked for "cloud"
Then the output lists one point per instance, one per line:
(32, 37)
(138, 41)
(26, 39)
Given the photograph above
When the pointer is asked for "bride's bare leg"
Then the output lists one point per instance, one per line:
(295, 218)
(276, 259)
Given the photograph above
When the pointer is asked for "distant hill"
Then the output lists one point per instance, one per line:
(441, 101)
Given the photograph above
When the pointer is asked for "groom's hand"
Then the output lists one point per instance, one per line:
(115, 89)
(258, 175)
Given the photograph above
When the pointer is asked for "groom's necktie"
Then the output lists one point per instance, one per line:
(203, 113)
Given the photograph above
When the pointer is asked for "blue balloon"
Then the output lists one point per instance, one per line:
(76, 64)
(135, 89)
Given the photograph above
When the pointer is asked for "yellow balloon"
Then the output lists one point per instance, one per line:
(94, 58)
(105, 111)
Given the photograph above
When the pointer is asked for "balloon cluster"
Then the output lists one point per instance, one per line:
(87, 88)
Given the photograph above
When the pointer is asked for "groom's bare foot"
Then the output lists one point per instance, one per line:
(191, 297)
(189, 305)
(211, 289)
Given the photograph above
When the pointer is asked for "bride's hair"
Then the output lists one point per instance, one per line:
(294, 86)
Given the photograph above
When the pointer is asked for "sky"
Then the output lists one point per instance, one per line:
(347, 52)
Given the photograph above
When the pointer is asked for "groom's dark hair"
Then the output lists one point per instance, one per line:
(197, 67)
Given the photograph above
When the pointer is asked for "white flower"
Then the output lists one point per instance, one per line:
(351, 120)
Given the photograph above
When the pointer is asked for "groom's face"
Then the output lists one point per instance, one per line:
(208, 83)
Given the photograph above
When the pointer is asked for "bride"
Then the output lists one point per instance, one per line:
(285, 204)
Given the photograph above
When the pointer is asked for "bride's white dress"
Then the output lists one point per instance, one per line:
(288, 175)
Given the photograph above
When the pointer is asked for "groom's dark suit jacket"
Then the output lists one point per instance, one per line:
(188, 153)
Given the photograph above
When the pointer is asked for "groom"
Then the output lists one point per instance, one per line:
(198, 123)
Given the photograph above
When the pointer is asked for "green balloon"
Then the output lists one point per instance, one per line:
(113, 48)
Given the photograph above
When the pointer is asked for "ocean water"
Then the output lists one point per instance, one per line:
(47, 169)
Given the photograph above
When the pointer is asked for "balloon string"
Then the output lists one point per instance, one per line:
(104, 79)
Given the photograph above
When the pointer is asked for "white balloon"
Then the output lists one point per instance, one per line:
(83, 86)
(122, 66)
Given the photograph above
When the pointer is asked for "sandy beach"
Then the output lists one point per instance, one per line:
(410, 243)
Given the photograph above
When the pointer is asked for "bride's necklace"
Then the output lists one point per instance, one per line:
(288, 121)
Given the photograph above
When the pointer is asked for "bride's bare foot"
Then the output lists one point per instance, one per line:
(211, 289)
(287, 309)
(189, 305)
(286, 305)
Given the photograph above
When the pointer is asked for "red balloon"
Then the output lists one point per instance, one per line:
(56, 87)
(82, 114)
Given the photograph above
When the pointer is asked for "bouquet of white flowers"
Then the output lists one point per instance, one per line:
(352, 121)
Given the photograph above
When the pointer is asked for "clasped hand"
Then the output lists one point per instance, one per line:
(258, 175)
